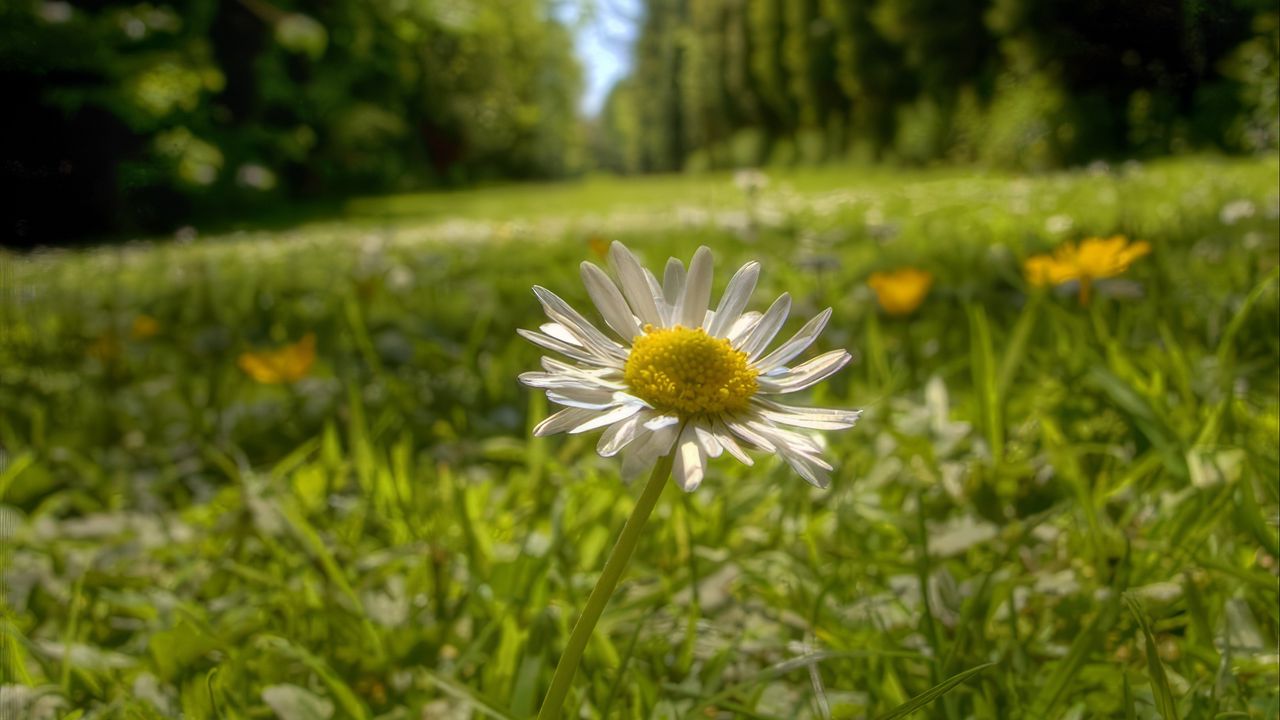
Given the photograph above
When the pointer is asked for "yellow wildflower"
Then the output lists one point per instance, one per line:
(900, 292)
(599, 246)
(1093, 259)
(144, 326)
(105, 347)
(285, 365)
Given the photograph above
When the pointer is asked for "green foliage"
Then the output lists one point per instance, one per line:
(1019, 84)
(232, 105)
(1047, 511)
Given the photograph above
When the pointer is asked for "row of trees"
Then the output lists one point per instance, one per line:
(141, 116)
(134, 115)
(1023, 83)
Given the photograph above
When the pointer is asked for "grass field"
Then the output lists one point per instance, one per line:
(1078, 501)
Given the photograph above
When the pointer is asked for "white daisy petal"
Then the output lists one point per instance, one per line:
(784, 439)
(746, 432)
(692, 308)
(806, 374)
(800, 452)
(690, 464)
(743, 325)
(613, 307)
(639, 456)
(635, 286)
(707, 441)
(574, 351)
(730, 445)
(630, 399)
(604, 372)
(620, 434)
(655, 287)
(813, 470)
(586, 333)
(557, 331)
(735, 298)
(796, 345)
(806, 417)
(622, 412)
(606, 377)
(563, 420)
(590, 399)
(754, 342)
(558, 381)
(661, 421)
(673, 281)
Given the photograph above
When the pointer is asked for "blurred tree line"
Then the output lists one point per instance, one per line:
(128, 116)
(125, 115)
(1027, 84)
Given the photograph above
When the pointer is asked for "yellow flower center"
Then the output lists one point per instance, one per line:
(688, 372)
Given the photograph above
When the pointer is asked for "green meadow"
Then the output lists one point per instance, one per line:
(1049, 509)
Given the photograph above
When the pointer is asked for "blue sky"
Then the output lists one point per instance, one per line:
(603, 45)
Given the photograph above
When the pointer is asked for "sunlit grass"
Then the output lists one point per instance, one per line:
(1084, 496)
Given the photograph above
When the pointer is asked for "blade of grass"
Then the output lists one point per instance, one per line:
(1152, 426)
(342, 693)
(983, 368)
(1226, 347)
(779, 669)
(466, 694)
(69, 634)
(1016, 346)
(922, 577)
(933, 693)
(14, 650)
(1165, 702)
(1130, 712)
(13, 470)
(1251, 514)
(315, 546)
(1086, 642)
(879, 359)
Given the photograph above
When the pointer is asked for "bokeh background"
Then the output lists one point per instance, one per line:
(142, 118)
(262, 448)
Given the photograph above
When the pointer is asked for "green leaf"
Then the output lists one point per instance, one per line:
(983, 367)
(1251, 513)
(1165, 702)
(1016, 346)
(290, 702)
(176, 649)
(779, 669)
(933, 693)
(1151, 424)
(348, 702)
(1226, 347)
(13, 470)
(1053, 688)
(461, 692)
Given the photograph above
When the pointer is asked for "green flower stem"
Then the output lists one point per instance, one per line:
(553, 703)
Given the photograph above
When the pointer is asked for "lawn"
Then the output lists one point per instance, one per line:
(1078, 501)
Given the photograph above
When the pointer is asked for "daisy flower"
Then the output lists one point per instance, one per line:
(679, 378)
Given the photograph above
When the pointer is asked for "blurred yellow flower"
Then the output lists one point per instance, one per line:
(900, 292)
(599, 247)
(1093, 259)
(105, 347)
(285, 365)
(144, 326)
